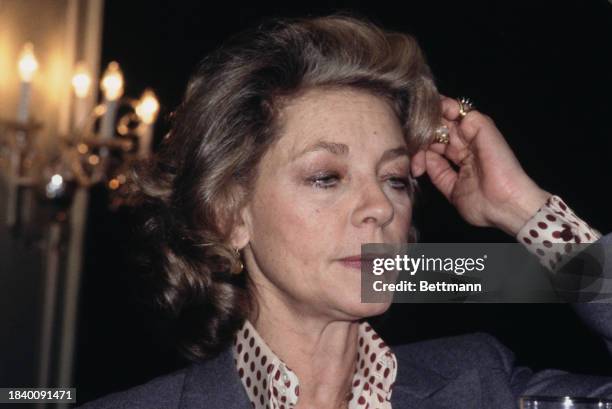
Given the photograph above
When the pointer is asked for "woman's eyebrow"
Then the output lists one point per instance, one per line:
(343, 149)
(394, 153)
(332, 147)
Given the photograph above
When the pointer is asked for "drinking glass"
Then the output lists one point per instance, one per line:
(563, 402)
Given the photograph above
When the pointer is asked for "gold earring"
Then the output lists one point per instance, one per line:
(239, 260)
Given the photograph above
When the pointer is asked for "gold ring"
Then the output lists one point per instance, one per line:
(442, 135)
(465, 106)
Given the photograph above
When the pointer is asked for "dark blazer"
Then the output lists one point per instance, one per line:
(469, 371)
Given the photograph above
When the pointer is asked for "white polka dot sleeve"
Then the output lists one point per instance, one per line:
(555, 223)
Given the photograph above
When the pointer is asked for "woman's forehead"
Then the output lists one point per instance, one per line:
(327, 102)
(336, 119)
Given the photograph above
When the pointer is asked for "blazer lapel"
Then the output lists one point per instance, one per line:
(214, 384)
(424, 389)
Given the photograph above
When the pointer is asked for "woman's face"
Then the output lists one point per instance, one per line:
(336, 179)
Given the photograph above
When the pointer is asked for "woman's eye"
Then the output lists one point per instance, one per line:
(324, 181)
(399, 183)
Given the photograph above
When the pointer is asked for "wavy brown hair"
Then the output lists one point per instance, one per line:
(205, 168)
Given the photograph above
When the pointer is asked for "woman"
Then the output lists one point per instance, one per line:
(295, 144)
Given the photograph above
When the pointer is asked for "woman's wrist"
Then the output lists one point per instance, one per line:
(514, 215)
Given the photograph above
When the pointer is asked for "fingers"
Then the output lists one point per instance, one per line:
(442, 175)
(450, 108)
(470, 125)
(457, 144)
(457, 149)
(418, 165)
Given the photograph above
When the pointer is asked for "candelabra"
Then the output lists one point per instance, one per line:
(49, 192)
(101, 147)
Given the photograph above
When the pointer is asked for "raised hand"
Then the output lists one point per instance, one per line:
(487, 185)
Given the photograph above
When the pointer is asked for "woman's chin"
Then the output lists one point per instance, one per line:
(348, 298)
(365, 310)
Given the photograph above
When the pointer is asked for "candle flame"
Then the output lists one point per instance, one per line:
(81, 80)
(112, 82)
(147, 107)
(27, 63)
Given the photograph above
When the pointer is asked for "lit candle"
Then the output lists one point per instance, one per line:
(112, 87)
(27, 66)
(81, 84)
(146, 109)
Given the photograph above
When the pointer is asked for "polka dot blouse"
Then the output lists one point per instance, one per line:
(270, 383)
(552, 233)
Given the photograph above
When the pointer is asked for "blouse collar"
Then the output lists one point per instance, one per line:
(271, 384)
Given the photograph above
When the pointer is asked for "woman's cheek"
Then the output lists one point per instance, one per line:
(321, 203)
(301, 216)
(403, 220)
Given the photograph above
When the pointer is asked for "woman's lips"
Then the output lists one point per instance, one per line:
(356, 262)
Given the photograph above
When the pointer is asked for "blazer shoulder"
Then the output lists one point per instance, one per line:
(163, 392)
(457, 353)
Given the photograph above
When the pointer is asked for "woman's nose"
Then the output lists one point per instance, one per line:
(373, 205)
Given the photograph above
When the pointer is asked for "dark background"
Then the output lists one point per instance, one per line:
(541, 69)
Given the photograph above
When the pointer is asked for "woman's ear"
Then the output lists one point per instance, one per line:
(241, 230)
